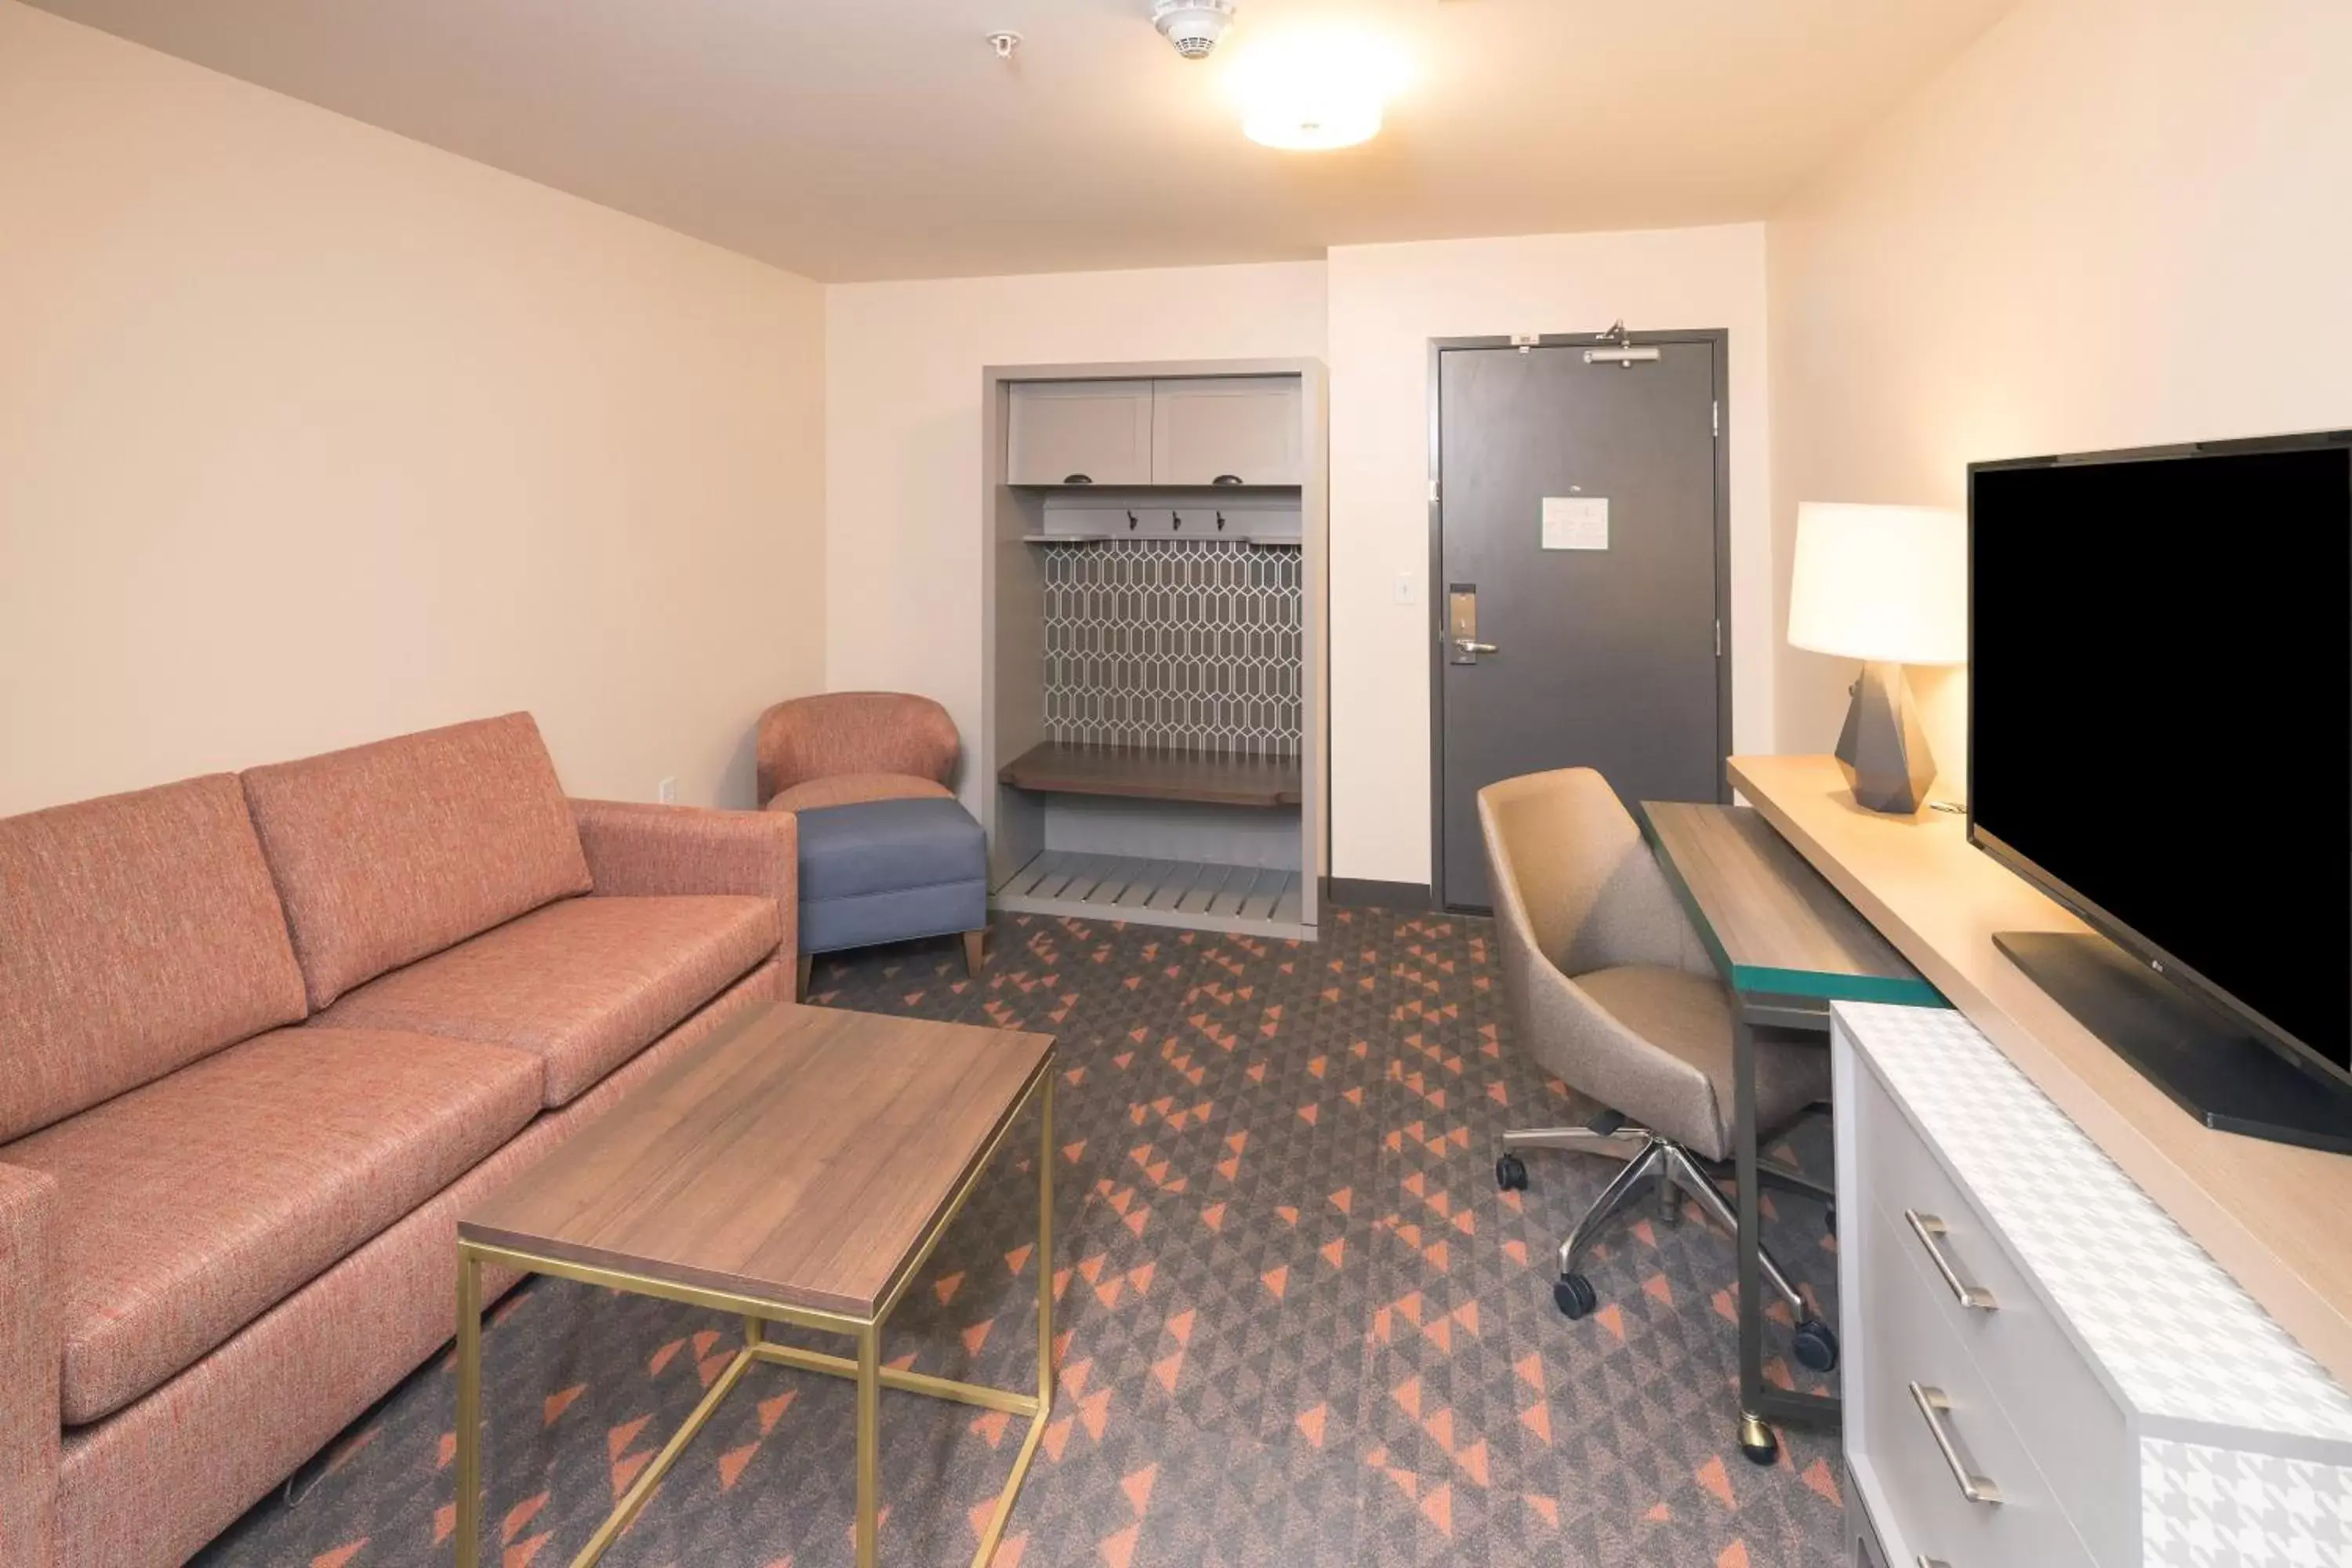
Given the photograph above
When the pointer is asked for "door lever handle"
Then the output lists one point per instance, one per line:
(1471, 645)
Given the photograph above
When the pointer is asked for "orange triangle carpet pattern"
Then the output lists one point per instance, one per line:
(1299, 1325)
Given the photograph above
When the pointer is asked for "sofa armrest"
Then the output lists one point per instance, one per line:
(32, 1361)
(638, 850)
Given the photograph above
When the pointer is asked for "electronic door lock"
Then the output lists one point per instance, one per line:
(1462, 623)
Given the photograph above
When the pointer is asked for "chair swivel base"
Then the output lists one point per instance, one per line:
(1661, 1167)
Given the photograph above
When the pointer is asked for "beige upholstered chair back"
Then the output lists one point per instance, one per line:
(1576, 891)
(1569, 868)
(854, 732)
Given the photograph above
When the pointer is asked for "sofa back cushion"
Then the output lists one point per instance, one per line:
(137, 933)
(386, 853)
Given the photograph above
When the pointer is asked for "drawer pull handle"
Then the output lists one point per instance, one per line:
(1931, 1232)
(1937, 1411)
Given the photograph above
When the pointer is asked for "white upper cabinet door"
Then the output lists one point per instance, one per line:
(1240, 429)
(1079, 433)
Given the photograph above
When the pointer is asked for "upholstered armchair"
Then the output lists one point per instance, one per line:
(887, 853)
(851, 746)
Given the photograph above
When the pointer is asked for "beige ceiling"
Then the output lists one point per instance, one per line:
(861, 139)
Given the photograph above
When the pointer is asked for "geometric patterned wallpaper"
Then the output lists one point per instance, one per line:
(1174, 645)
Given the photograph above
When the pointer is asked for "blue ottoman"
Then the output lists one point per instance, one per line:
(891, 870)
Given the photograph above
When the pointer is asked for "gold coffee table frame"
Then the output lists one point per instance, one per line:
(866, 1369)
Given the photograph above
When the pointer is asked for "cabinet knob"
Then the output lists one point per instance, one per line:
(1077, 479)
(1226, 480)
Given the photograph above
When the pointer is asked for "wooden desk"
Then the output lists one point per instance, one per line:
(1773, 926)
(1787, 945)
(2278, 1218)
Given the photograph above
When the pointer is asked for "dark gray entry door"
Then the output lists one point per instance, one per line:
(1578, 518)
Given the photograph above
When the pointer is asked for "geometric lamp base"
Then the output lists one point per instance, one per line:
(1882, 750)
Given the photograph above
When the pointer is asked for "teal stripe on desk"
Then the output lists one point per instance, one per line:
(1759, 981)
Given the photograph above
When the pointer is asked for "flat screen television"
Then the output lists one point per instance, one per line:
(2161, 738)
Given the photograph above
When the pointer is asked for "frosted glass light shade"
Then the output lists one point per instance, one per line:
(1314, 90)
(1880, 583)
(1315, 126)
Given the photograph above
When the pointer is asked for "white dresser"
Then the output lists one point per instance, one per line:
(2042, 1369)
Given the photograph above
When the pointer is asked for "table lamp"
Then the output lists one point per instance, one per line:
(1888, 585)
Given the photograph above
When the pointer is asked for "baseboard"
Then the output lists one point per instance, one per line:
(1361, 892)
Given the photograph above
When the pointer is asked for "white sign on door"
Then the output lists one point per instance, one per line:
(1576, 522)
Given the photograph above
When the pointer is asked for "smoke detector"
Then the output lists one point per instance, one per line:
(1193, 26)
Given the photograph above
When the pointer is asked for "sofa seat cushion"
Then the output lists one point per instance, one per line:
(890, 870)
(196, 1204)
(583, 985)
(852, 789)
(387, 852)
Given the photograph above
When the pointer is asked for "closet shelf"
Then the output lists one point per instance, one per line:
(1215, 778)
(1263, 541)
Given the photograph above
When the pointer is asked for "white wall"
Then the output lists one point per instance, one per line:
(902, 437)
(903, 456)
(310, 435)
(2109, 223)
(1386, 302)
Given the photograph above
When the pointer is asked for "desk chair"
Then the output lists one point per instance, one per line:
(1609, 990)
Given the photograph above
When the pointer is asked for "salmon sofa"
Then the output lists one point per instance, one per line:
(263, 1038)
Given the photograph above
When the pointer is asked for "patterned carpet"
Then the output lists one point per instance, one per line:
(1299, 1323)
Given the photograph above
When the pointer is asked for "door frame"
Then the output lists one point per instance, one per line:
(1717, 340)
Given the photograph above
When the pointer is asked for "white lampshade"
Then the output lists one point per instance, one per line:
(1887, 584)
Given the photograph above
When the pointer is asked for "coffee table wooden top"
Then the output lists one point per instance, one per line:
(799, 1157)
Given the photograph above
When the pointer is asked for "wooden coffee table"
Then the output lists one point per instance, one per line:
(797, 1168)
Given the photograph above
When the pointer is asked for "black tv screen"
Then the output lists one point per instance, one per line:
(2160, 712)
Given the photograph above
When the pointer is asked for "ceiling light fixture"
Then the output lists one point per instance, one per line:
(1311, 92)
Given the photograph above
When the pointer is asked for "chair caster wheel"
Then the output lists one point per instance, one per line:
(1573, 1294)
(1757, 1444)
(1816, 1345)
(1511, 1174)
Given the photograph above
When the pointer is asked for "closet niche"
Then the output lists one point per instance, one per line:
(1154, 723)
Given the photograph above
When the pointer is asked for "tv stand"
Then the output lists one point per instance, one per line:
(2212, 1069)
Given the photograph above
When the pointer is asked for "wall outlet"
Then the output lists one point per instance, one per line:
(1407, 590)
(666, 792)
